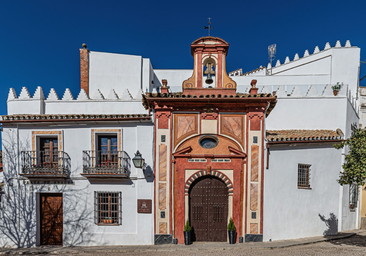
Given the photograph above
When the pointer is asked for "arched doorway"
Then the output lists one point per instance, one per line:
(208, 209)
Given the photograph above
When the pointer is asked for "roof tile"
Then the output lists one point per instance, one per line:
(303, 135)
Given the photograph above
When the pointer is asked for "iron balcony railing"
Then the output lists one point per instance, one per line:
(106, 163)
(44, 163)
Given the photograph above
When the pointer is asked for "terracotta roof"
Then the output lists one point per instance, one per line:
(146, 98)
(73, 117)
(218, 96)
(303, 135)
(209, 38)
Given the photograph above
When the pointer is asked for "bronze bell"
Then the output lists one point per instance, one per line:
(209, 72)
(209, 79)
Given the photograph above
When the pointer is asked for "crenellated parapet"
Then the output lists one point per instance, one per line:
(288, 60)
(97, 103)
(316, 51)
(312, 92)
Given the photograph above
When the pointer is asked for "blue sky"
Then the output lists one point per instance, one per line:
(40, 40)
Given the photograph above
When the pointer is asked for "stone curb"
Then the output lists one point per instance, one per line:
(172, 248)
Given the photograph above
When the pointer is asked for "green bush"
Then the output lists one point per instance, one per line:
(187, 228)
(231, 225)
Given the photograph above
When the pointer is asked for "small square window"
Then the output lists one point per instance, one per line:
(303, 177)
(254, 215)
(108, 208)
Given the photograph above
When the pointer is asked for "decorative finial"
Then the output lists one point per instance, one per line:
(165, 83)
(164, 88)
(209, 26)
(253, 83)
(84, 45)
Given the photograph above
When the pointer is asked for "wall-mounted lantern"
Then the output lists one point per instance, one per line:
(138, 161)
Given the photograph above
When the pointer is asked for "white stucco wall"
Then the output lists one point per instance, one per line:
(78, 196)
(114, 71)
(175, 78)
(329, 66)
(290, 212)
(309, 113)
(77, 106)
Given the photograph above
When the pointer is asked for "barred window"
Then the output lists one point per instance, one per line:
(108, 208)
(353, 195)
(303, 177)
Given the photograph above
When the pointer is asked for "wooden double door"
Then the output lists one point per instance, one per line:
(51, 219)
(208, 209)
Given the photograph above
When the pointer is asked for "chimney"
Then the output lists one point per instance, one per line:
(253, 90)
(84, 69)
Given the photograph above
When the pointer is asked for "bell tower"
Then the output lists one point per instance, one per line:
(209, 70)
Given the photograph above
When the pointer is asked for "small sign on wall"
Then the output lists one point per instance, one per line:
(144, 205)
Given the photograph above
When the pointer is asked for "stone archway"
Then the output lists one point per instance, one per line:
(208, 209)
(217, 174)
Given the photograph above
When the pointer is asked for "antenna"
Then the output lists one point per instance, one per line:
(271, 54)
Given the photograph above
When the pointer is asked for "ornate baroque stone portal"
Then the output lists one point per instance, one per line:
(204, 133)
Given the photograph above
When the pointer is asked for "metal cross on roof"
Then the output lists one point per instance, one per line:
(209, 26)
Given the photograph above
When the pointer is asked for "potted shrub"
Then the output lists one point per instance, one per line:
(231, 230)
(187, 233)
(336, 88)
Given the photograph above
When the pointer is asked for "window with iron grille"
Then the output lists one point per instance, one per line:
(353, 194)
(108, 208)
(303, 177)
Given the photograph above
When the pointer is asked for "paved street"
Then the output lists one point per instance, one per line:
(348, 243)
(355, 245)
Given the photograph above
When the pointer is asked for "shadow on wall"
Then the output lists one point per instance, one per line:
(149, 173)
(18, 224)
(331, 223)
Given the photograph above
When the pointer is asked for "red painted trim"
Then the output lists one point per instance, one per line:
(233, 150)
(241, 198)
(180, 188)
(223, 177)
(219, 71)
(262, 178)
(218, 123)
(171, 179)
(246, 179)
(199, 69)
(182, 151)
(155, 181)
